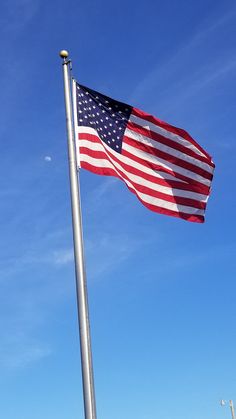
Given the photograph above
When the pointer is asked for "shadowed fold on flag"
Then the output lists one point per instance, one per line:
(166, 169)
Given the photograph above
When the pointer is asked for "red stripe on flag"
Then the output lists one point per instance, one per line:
(169, 172)
(187, 184)
(154, 208)
(142, 188)
(175, 130)
(146, 132)
(162, 170)
(167, 157)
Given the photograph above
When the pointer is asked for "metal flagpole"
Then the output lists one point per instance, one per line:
(81, 288)
(232, 409)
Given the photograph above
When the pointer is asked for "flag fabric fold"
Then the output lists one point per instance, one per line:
(167, 170)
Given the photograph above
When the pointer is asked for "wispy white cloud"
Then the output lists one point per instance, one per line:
(37, 284)
(22, 315)
(63, 257)
(197, 81)
(15, 17)
(108, 252)
(179, 76)
(45, 251)
(20, 352)
(192, 260)
(32, 299)
(104, 188)
(94, 199)
(210, 26)
(228, 145)
(10, 266)
(17, 14)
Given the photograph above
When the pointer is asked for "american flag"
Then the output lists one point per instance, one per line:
(166, 169)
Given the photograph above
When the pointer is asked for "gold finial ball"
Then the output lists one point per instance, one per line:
(64, 53)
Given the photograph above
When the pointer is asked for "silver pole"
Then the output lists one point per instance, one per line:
(232, 408)
(81, 288)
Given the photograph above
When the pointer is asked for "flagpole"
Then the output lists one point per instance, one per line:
(232, 408)
(81, 288)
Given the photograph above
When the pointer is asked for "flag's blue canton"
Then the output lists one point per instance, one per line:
(107, 116)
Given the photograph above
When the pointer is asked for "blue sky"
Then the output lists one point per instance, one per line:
(161, 290)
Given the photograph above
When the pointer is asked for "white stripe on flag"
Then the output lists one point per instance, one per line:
(165, 133)
(170, 166)
(139, 179)
(162, 147)
(127, 160)
(146, 198)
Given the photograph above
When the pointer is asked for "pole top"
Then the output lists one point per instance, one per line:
(63, 53)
